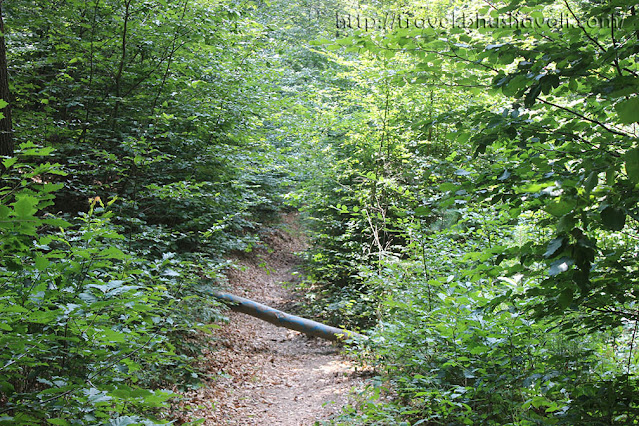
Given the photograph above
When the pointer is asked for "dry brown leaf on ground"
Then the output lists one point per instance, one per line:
(260, 374)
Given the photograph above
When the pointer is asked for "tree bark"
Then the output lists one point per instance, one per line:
(282, 319)
(6, 130)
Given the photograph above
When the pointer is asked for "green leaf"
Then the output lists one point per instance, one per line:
(548, 83)
(122, 421)
(566, 223)
(628, 110)
(554, 247)
(565, 298)
(113, 253)
(504, 175)
(171, 273)
(25, 206)
(540, 401)
(533, 187)
(422, 211)
(52, 187)
(447, 186)
(532, 95)
(591, 182)
(108, 335)
(95, 396)
(58, 421)
(632, 165)
(35, 151)
(8, 162)
(60, 223)
(613, 218)
(41, 263)
(560, 207)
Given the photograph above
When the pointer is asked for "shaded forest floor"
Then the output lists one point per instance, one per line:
(260, 374)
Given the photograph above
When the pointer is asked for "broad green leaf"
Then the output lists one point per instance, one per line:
(628, 110)
(52, 187)
(560, 207)
(95, 396)
(533, 187)
(36, 151)
(25, 206)
(171, 273)
(565, 298)
(13, 308)
(8, 162)
(632, 165)
(554, 246)
(122, 421)
(59, 421)
(41, 263)
(60, 223)
(109, 335)
(591, 182)
(540, 401)
(566, 223)
(113, 253)
(613, 218)
(532, 95)
(505, 175)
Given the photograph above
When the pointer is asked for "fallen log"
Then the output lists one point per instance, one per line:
(282, 319)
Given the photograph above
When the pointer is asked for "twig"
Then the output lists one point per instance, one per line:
(590, 120)
(583, 29)
(13, 361)
(632, 343)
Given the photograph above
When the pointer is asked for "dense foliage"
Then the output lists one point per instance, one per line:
(470, 189)
(483, 212)
(139, 162)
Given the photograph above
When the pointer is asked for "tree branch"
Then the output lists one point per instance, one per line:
(583, 117)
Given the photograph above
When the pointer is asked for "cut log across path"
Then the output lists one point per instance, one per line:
(282, 319)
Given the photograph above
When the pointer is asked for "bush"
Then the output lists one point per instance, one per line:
(88, 328)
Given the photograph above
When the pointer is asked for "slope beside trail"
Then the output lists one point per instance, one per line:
(260, 374)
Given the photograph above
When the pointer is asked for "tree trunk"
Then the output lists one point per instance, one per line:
(6, 131)
(282, 319)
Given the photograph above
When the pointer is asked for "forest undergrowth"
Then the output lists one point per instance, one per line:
(470, 192)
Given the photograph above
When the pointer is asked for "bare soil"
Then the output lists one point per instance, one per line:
(260, 374)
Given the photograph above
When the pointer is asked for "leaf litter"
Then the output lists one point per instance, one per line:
(259, 374)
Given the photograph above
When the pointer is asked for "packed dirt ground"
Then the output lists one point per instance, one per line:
(264, 375)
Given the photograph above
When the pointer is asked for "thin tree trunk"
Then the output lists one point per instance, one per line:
(118, 77)
(91, 100)
(6, 130)
(169, 60)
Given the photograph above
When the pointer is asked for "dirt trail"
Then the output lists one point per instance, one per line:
(265, 375)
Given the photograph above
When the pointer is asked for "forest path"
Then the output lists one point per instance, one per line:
(266, 375)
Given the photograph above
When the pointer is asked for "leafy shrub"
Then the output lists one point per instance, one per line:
(455, 347)
(89, 328)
